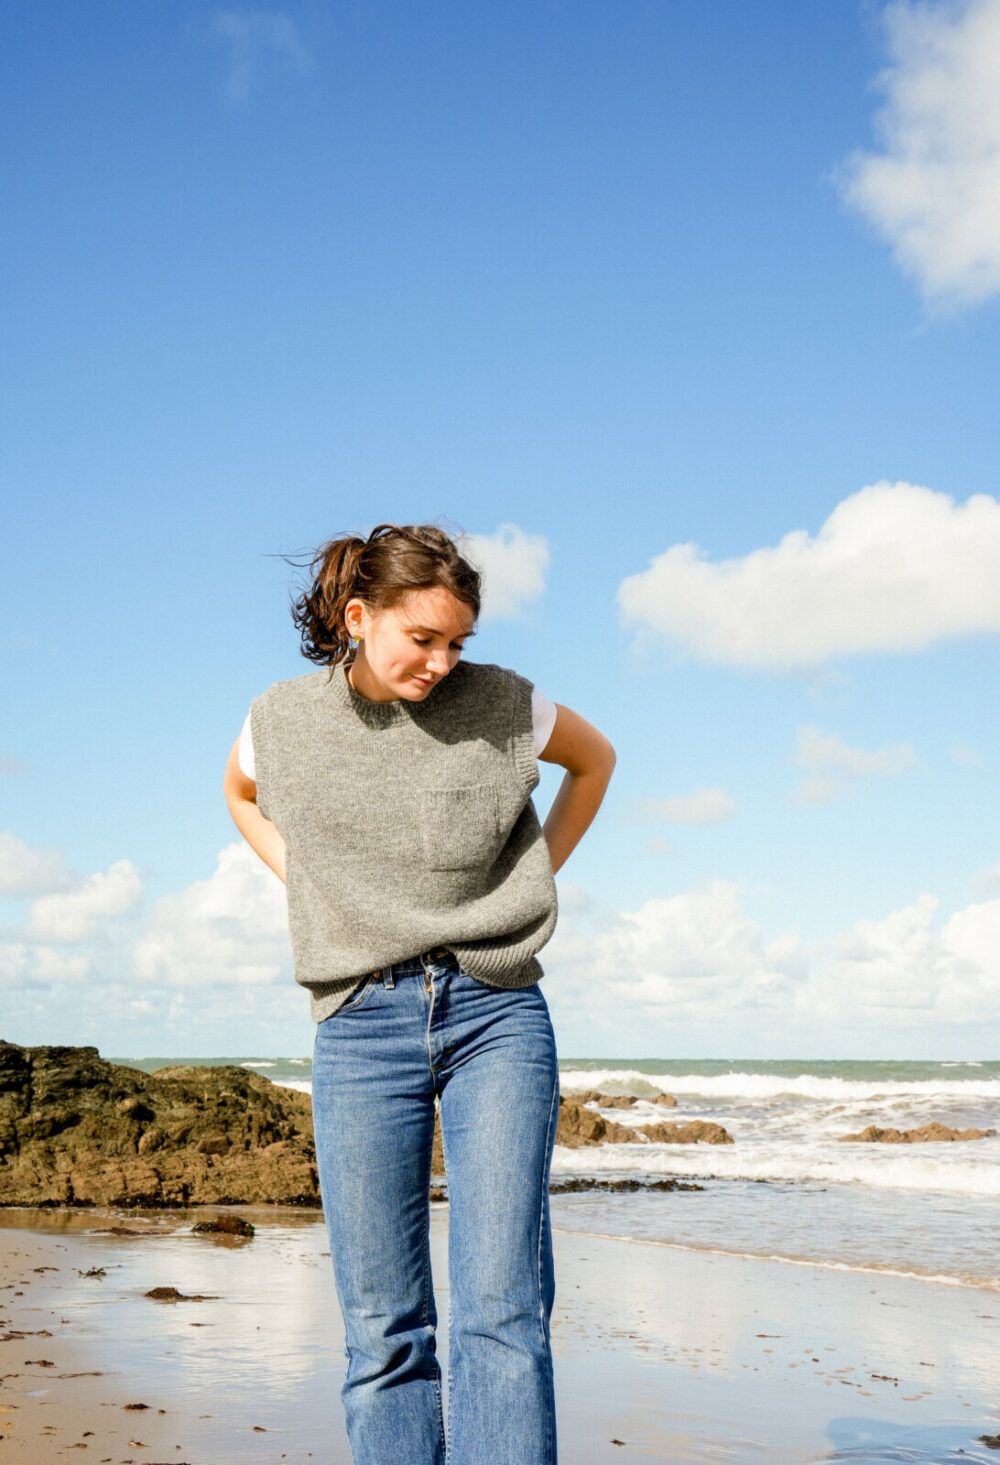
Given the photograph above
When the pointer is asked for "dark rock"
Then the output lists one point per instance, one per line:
(226, 1226)
(574, 1184)
(928, 1134)
(666, 1100)
(77, 1130)
(171, 1294)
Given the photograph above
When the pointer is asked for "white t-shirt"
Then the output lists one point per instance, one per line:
(543, 720)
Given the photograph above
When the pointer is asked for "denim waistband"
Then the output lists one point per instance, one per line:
(411, 965)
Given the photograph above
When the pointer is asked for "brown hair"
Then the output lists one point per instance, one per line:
(379, 570)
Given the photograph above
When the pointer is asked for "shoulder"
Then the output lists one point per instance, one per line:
(482, 678)
(294, 691)
(485, 700)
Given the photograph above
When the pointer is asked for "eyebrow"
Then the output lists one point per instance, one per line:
(432, 632)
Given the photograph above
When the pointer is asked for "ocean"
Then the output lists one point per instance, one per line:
(787, 1188)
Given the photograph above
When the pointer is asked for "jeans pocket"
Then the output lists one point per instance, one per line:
(359, 997)
(460, 826)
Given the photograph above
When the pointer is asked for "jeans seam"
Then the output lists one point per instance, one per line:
(439, 1402)
(431, 1000)
(546, 1336)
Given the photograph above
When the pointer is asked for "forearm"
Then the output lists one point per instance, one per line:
(259, 833)
(573, 809)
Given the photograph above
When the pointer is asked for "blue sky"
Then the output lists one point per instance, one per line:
(592, 283)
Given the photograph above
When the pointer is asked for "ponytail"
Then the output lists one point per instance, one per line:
(380, 570)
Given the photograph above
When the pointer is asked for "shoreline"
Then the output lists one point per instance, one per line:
(682, 1355)
(939, 1279)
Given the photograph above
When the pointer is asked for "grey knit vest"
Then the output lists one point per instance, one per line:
(409, 825)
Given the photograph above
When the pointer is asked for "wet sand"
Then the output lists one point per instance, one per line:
(661, 1354)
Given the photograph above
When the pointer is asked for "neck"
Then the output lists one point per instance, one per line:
(360, 681)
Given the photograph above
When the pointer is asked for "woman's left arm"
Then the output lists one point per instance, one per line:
(589, 760)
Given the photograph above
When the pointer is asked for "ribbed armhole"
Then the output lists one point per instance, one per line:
(522, 732)
(261, 753)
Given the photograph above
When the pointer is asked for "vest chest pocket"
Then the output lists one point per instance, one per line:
(460, 827)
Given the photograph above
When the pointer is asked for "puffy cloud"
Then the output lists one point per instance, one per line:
(682, 955)
(81, 912)
(833, 765)
(229, 929)
(704, 806)
(895, 568)
(27, 871)
(253, 37)
(697, 963)
(932, 190)
(905, 971)
(513, 565)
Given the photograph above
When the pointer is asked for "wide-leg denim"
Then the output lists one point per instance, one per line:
(420, 1030)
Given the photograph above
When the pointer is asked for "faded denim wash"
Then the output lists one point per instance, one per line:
(419, 1030)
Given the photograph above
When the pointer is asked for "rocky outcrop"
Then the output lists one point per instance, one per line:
(621, 1101)
(929, 1134)
(77, 1130)
(579, 1125)
(694, 1132)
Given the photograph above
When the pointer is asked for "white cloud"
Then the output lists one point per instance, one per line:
(682, 955)
(697, 963)
(28, 871)
(905, 971)
(80, 913)
(986, 883)
(704, 806)
(253, 37)
(932, 191)
(513, 566)
(833, 765)
(229, 929)
(895, 568)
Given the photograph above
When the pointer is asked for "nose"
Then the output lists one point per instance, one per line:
(438, 663)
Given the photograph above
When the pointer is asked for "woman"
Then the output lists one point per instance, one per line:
(391, 791)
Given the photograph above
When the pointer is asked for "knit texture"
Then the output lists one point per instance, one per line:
(409, 825)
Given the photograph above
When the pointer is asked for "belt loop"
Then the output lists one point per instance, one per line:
(388, 980)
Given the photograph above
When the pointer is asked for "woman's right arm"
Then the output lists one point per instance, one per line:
(259, 833)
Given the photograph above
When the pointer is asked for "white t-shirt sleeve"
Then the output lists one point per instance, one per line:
(246, 758)
(543, 720)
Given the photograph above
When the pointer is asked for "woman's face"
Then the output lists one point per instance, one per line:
(407, 648)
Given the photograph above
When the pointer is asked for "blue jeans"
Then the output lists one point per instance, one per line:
(419, 1030)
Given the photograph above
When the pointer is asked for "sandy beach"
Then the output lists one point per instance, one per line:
(662, 1353)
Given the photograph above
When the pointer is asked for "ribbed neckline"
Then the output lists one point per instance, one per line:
(373, 714)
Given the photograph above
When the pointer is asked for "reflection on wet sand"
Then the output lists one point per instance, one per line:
(661, 1354)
